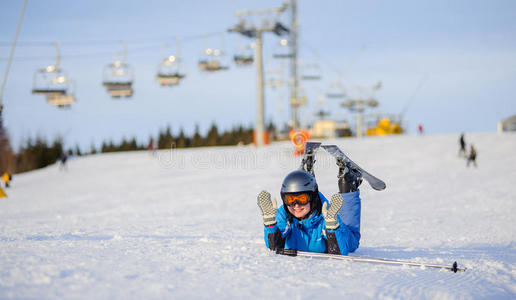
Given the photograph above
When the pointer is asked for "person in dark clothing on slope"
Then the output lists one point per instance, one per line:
(472, 157)
(462, 143)
(63, 158)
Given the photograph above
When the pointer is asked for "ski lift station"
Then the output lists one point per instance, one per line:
(508, 124)
(330, 129)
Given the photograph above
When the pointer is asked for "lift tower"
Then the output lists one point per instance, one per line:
(294, 101)
(359, 105)
(251, 31)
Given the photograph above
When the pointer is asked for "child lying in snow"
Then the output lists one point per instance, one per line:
(305, 222)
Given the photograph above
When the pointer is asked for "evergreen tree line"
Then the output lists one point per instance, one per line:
(125, 145)
(34, 154)
(7, 156)
(166, 139)
(234, 136)
(38, 153)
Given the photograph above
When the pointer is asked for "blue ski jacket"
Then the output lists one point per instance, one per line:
(311, 234)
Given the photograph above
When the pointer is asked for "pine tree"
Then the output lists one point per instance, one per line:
(165, 140)
(111, 146)
(248, 135)
(197, 140)
(271, 129)
(7, 157)
(181, 139)
(93, 150)
(133, 145)
(77, 151)
(212, 138)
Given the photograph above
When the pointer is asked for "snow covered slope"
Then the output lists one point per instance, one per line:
(184, 224)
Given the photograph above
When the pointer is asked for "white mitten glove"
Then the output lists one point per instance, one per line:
(330, 215)
(268, 208)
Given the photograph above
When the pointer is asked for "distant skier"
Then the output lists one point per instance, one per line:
(151, 147)
(462, 143)
(420, 129)
(306, 221)
(472, 157)
(63, 158)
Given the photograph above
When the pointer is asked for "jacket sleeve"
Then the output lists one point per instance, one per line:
(346, 238)
(275, 235)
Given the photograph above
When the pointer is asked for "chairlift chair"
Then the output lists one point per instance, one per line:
(169, 79)
(336, 91)
(118, 79)
(55, 85)
(244, 56)
(243, 59)
(275, 82)
(282, 51)
(275, 76)
(311, 72)
(61, 101)
(168, 72)
(203, 64)
(50, 81)
(212, 61)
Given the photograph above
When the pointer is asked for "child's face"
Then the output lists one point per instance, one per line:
(299, 211)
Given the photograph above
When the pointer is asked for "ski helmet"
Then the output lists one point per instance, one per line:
(300, 181)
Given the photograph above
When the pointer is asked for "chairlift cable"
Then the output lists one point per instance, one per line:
(79, 55)
(331, 65)
(422, 81)
(111, 42)
(11, 53)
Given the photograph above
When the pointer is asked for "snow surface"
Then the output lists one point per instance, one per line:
(184, 224)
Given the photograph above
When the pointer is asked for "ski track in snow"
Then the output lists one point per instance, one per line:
(184, 224)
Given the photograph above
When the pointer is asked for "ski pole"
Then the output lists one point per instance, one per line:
(293, 252)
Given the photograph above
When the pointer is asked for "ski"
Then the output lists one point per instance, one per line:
(307, 163)
(293, 252)
(342, 158)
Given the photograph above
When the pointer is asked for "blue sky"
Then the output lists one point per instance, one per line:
(461, 53)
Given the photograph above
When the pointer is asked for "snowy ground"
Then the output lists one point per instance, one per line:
(185, 224)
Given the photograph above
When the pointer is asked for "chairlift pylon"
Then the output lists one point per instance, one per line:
(118, 77)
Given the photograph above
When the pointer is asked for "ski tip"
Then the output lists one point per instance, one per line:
(378, 187)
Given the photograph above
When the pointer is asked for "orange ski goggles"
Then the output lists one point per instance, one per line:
(301, 199)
